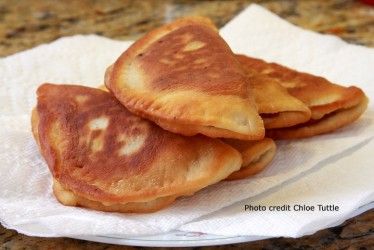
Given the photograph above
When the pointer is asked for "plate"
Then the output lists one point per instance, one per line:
(171, 239)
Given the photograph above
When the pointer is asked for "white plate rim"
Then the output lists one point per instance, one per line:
(171, 239)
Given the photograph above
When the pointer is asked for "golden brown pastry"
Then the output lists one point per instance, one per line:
(103, 157)
(332, 106)
(276, 106)
(256, 156)
(184, 77)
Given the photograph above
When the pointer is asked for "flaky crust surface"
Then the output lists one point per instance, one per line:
(99, 151)
(256, 156)
(184, 74)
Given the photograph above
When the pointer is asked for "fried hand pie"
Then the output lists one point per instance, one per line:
(184, 77)
(276, 106)
(332, 106)
(103, 157)
(256, 156)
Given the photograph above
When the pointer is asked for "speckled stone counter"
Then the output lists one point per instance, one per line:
(25, 24)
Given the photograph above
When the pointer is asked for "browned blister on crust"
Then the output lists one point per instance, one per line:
(332, 106)
(184, 77)
(256, 156)
(103, 157)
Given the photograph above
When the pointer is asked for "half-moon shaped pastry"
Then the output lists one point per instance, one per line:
(256, 156)
(103, 157)
(332, 106)
(276, 106)
(184, 77)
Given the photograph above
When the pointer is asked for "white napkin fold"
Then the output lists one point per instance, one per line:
(28, 205)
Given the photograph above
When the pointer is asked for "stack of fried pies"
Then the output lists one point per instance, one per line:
(179, 112)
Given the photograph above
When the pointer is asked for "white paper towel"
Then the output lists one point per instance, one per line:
(346, 181)
(28, 205)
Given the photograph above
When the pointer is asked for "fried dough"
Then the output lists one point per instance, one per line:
(328, 123)
(103, 157)
(276, 106)
(184, 77)
(332, 106)
(69, 198)
(256, 156)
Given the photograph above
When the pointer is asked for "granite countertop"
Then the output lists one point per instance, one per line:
(25, 24)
